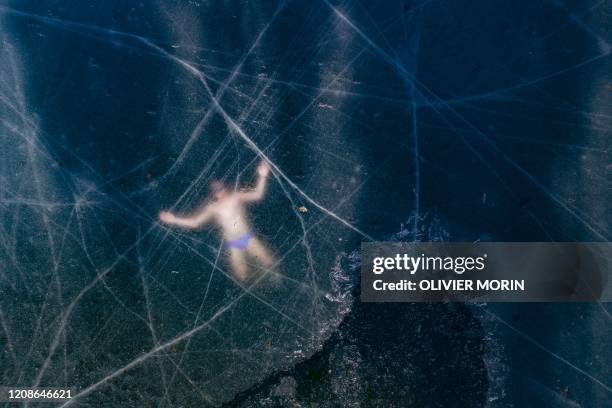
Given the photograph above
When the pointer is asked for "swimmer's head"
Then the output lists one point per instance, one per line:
(217, 189)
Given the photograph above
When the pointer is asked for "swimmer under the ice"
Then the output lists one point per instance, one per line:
(227, 209)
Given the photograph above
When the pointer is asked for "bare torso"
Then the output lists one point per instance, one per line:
(230, 215)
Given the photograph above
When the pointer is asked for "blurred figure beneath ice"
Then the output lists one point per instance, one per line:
(227, 209)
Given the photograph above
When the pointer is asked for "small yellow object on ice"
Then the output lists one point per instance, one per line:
(302, 209)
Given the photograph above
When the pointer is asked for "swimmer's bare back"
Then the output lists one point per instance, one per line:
(227, 210)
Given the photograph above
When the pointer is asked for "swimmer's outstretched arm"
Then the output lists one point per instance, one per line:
(258, 192)
(194, 221)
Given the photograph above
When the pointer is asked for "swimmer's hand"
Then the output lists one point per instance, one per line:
(167, 217)
(264, 169)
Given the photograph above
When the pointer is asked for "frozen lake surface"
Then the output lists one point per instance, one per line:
(400, 120)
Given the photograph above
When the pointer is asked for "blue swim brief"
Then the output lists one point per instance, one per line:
(240, 243)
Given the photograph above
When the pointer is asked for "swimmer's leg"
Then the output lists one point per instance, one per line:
(238, 264)
(258, 251)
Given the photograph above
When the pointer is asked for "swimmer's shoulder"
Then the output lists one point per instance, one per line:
(217, 206)
(210, 206)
